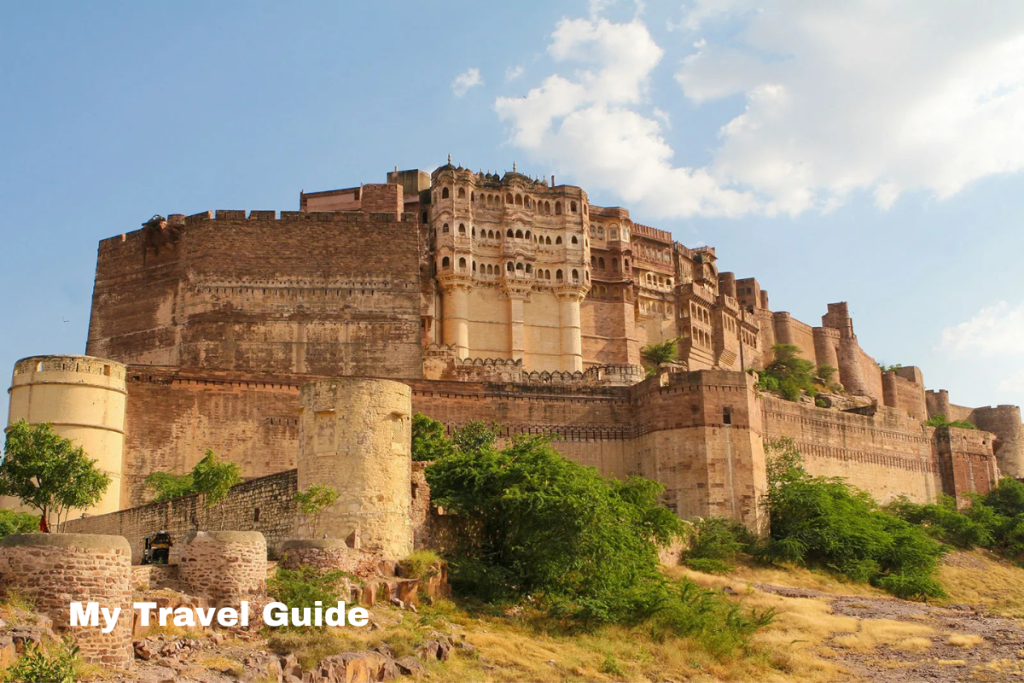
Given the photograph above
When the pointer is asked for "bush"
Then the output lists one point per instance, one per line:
(788, 374)
(715, 543)
(944, 522)
(706, 616)
(305, 586)
(825, 522)
(939, 420)
(56, 664)
(421, 564)
(209, 476)
(539, 524)
(12, 522)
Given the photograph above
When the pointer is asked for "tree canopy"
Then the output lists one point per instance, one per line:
(656, 353)
(48, 472)
(209, 476)
(536, 523)
(788, 374)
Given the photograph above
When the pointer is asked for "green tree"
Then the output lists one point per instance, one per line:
(312, 503)
(209, 476)
(428, 440)
(789, 375)
(49, 473)
(539, 524)
(654, 354)
(12, 522)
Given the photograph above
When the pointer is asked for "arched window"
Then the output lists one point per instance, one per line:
(462, 228)
(526, 202)
(462, 264)
(615, 265)
(462, 193)
(445, 263)
(572, 207)
(600, 263)
(558, 240)
(509, 233)
(558, 274)
(444, 193)
(547, 239)
(490, 234)
(593, 260)
(614, 234)
(444, 228)
(519, 200)
(574, 240)
(527, 234)
(509, 267)
(575, 275)
(558, 208)
(508, 198)
(625, 264)
(472, 196)
(474, 232)
(519, 234)
(600, 232)
(529, 268)
(519, 266)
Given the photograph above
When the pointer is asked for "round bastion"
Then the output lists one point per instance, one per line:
(323, 553)
(54, 570)
(356, 436)
(226, 566)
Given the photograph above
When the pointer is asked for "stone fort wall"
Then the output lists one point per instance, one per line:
(252, 293)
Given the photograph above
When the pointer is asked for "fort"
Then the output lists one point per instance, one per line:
(298, 344)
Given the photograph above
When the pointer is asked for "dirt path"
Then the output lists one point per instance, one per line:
(991, 647)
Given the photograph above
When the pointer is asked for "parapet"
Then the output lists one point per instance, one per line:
(322, 553)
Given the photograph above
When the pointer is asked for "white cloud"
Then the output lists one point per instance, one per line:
(861, 96)
(586, 125)
(514, 72)
(470, 78)
(883, 97)
(994, 331)
(1014, 384)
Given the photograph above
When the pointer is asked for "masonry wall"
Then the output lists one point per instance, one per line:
(174, 416)
(887, 455)
(265, 505)
(608, 333)
(318, 293)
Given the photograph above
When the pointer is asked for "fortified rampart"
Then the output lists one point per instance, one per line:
(483, 297)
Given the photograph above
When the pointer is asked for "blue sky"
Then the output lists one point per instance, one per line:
(862, 153)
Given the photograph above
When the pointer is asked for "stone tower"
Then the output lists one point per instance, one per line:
(83, 398)
(356, 435)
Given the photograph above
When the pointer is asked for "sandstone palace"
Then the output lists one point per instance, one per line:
(497, 298)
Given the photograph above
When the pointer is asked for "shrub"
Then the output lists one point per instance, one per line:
(827, 523)
(788, 374)
(717, 624)
(714, 544)
(939, 420)
(305, 586)
(421, 564)
(546, 526)
(943, 521)
(12, 522)
(56, 664)
(657, 353)
(312, 502)
(209, 477)
(428, 439)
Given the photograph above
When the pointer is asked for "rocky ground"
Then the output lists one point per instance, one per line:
(967, 643)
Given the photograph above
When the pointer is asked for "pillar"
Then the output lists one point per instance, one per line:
(572, 343)
(455, 321)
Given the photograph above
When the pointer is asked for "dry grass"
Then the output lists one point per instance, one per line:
(965, 640)
(800, 577)
(874, 632)
(914, 644)
(222, 664)
(981, 578)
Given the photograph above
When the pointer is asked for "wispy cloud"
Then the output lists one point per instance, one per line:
(470, 78)
(994, 331)
(514, 72)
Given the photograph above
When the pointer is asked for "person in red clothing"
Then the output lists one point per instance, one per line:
(44, 528)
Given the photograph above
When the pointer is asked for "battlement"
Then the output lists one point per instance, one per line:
(652, 233)
(346, 217)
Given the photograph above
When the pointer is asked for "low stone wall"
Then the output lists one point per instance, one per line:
(153, 576)
(325, 553)
(225, 565)
(55, 570)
